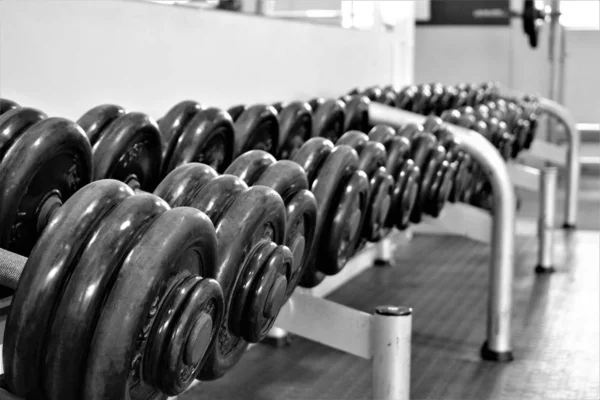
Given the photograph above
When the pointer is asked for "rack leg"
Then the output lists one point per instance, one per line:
(391, 336)
(546, 221)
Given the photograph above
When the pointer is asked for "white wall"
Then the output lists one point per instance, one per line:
(452, 54)
(457, 54)
(65, 57)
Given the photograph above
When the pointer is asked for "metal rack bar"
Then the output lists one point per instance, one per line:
(551, 152)
(498, 344)
(383, 337)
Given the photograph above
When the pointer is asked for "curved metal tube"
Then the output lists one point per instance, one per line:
(573, 166)
(503, 230)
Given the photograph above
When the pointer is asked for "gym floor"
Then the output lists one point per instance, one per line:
(555, 324)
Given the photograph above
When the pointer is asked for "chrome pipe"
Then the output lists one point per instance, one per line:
(498, 344)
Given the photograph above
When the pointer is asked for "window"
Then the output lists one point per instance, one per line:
(578, 14)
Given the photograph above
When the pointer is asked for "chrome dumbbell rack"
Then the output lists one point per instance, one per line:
(367, 336)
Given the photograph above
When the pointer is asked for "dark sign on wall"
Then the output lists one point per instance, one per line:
(468, 12)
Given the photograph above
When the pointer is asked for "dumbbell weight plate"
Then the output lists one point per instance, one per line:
(173, 123)
(287, 178)
(43, 167)
(311, 156)
(405, 194)
(379, 201)
(161, 344)
(440, 188)
(236, 111)
(48, 268)
(410, 130)
(96, 120)
(257, 128)
(183, 183)
(7, 105)
(14, 122)
(207, 138)
(255, 215)
(74, 318)
(130, 150)
(357, 114)
(250, 165)
(343, 228)
(329, 120)
(295, 128)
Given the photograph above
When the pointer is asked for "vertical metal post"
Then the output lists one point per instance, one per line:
(383, 253)
(554, 58)
(498, 344)
(391, 336)
(546, 220)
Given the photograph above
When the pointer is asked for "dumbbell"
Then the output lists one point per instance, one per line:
(329, 118)
(257, 167)
(437, 173)
(113, 301)
(43, 162)
(356, 113)
(295, 127)
(253, 266)
(194, 133)
(256, 128)
(461, 162)
(7, 105)
(372, 161)
(341, 191)
(126, 146)
(405, 172)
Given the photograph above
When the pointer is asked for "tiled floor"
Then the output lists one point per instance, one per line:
(555, 327)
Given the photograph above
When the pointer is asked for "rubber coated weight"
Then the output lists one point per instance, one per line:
(357, 114)
(254, 216)
(48, 268)
(257, 128)
(372, 161)
(344, 228)
(379, 202)
(250, 165)
(311, 156)
(236, 111)
(287, 178)
(14, 122)
(316, 103)
(404, 195)
(129, 149)
(295, 128)
(244, 218)
(410, 130)
(373, 93)
(96, 120)
(173, 123)
(208, 138)
(329, 120)
(335, 172)
(74, 319)
(46, 164)
(164, 313)
(183, 183)
(7, 105)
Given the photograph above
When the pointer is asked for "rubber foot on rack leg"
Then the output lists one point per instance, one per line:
(569, 227)
(382, 263)
(544, 270)
(498, 356)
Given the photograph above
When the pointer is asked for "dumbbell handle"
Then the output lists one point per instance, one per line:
(11, 268)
